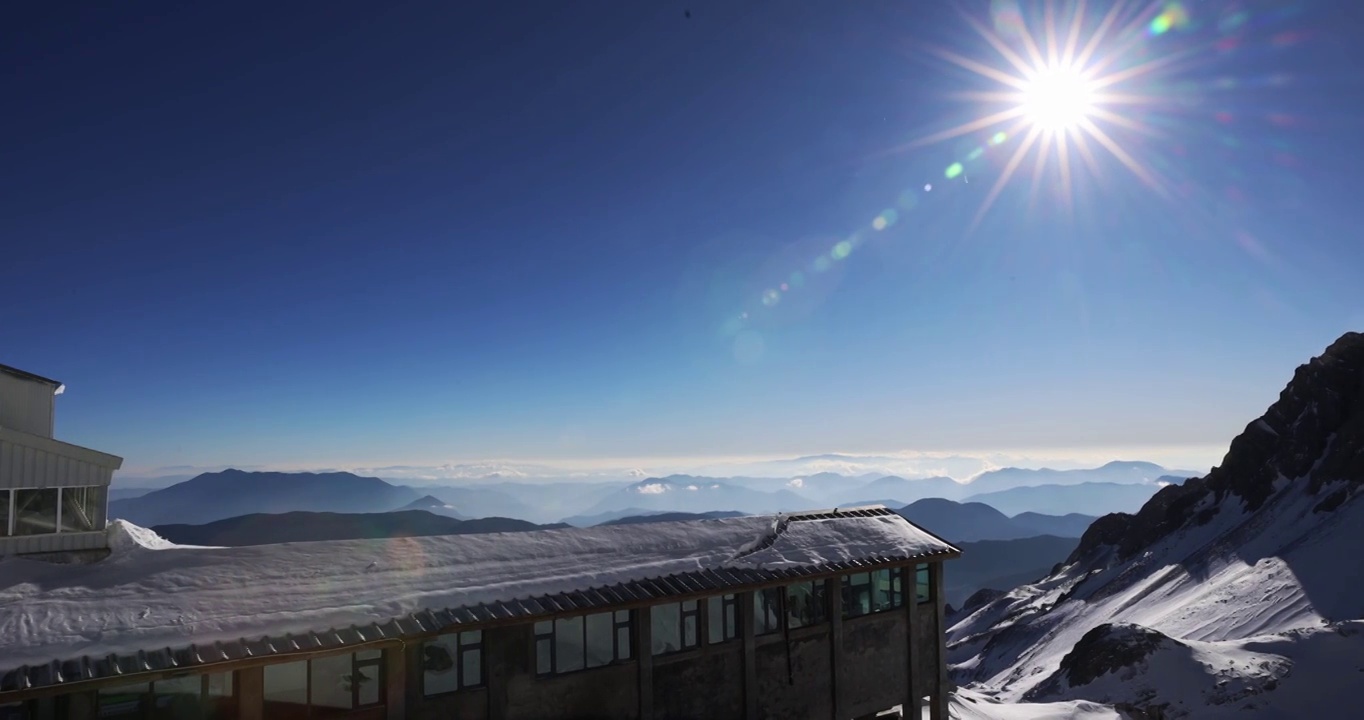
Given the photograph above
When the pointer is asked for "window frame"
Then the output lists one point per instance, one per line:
(356, 665)
(728, 605)
(620, 654)
(779, 593)
(147, 698)
(818, 589)
(9, 523)
(461, 646)
(923, 577)
(895, 592)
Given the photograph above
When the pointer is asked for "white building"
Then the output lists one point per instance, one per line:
(53, 495)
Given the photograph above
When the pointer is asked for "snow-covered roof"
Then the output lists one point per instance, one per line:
(152, 605)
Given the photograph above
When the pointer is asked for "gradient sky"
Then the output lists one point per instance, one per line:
(277, 234)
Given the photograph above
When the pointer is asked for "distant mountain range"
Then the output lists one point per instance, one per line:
(967, 522)
(1003, 564)
(1096, 498)
(684, 493)
(672, 517)
(435, 506)
(219, 495)
(265, 529)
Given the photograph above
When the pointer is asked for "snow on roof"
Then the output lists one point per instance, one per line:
(151, 595)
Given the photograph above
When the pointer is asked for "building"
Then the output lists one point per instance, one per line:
(833, 614)
(53, 495)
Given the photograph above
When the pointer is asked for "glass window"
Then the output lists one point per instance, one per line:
(722, 618)
(80, 509)
(452, 662)
(220, 700)
(35, 512)
(921, 593)
(4, 514)
(665, 624)
(805, 604)
(885, 590)
(856, 594)
(286, 688)
(580, 642)
(178, 697)
(324, 687)
(601, 639)
(123, 701)
(568, 644)
(766, 610)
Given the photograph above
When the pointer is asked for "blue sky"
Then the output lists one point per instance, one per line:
(271, 235)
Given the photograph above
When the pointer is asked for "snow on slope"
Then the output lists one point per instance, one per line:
(1224, 595)
(150, 594)
(968, 705)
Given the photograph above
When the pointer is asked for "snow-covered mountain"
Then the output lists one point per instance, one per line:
(1236, 594)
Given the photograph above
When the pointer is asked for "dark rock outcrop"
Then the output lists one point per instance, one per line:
(980, 599)
(1314, 433)
(1107, 648)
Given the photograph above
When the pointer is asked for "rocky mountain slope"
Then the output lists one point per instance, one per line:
(1235, 594)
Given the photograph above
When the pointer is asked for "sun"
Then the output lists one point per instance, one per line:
(1060, 100)
(1057, 98)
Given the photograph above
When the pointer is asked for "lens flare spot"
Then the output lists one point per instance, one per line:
(785, 287)
(953, 170)
(928, 187)
(879, 223)
(999, 138)
(821, 263)
(975, 154)
(888, 217)
(841, 250)
(797, 279)
(1174, 17)
(1007, 17)
(771, 297)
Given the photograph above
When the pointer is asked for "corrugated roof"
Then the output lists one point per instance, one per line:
(430, 621)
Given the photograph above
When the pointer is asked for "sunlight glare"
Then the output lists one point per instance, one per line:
(1058, 98)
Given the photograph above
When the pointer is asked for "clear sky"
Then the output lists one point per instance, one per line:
(356, 233)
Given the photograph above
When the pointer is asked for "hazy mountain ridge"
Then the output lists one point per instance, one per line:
(967, 522)
(1243, 580)
(266, 529)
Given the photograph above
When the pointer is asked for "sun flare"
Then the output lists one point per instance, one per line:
(1058, 101)
(1057, 98)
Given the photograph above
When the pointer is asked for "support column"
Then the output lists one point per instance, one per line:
(909, 586)
(396, 681)
(750, 665)
(938, 710)
(251, 693)
(645, 662)
(81, 706)
(833, 589)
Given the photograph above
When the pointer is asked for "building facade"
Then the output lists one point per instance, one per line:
(53, 495)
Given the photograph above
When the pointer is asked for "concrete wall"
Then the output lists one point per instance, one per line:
(515, 691)
(26, 405)
(806, 690)
(706, 683)
(873, 669)
(925, 649)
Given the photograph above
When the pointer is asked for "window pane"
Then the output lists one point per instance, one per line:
(545, 627)
(623, 643)
(689, 638)
(731, 617)
(221, 701)
(471, 637)
(473, 667)
(880, 590)
(544, 656)
(80, 509)
(4, 513)
(285, 685)
(438, 665)
(369, 681)
(568, 644)
(766, 608)
(601, 639)
(856, 594)
(371, 654)
(180, 697)
(921, 584)
(805, 604)
(332, 681)
(666, 626)
(622, 616)
(123, 701)
(35, 512)
(715, 620)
